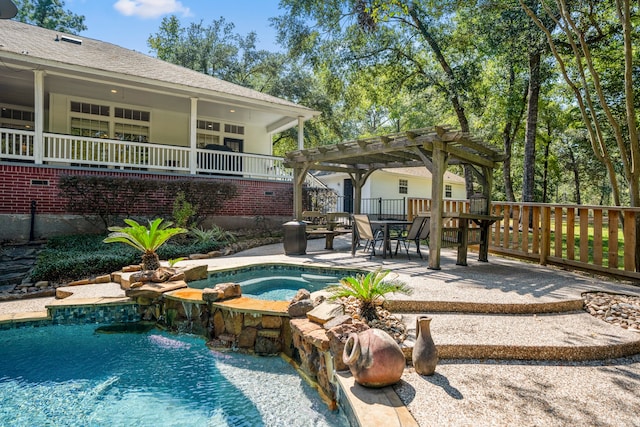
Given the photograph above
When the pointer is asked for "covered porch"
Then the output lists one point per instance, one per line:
(434, 148)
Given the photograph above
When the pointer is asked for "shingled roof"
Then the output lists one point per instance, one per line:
(39, 46)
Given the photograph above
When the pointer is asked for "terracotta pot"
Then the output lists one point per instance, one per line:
(425, 353)
(374, 358)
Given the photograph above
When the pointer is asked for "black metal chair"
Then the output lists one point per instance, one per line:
(418, 230)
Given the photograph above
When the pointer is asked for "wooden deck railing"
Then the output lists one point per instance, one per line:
(599, 239)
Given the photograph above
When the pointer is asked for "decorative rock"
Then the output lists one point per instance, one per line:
(60, 294)
(141, 276)
(196, 272)
(105, 278)
(218, 323)
(154, 290)
(131, 268)
(42, 284)
(211, 295)
(79, 282)
(214, 254)
(177, 276)
(198, 256)
(267, 346)
(302, 294)
(621, 310)
(247, 338)
(251, 320)
(271, 322)
(229, 290)
(325, 312)
(162, 274)
(136, 285)
(233, 323)
(300, 308)
(344, 319)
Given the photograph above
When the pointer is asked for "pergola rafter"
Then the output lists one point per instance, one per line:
(434, 148)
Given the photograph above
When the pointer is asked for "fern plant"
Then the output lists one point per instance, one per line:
(367, 289)
(215, 233)
(145, 239)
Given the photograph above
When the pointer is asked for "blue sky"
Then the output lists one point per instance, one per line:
(129, 23)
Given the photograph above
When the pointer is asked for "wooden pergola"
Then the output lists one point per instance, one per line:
(435, 148)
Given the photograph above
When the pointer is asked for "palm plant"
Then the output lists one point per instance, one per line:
(146, 240)
(368, 289)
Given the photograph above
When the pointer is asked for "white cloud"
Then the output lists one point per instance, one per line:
(150, 8)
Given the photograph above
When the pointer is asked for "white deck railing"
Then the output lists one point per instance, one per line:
(16, 144)
(84, 151)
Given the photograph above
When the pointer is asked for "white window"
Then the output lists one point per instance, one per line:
(208, 133)
(235, 129)
(448, 191)
(16, 118)
(96, 121)
(403, 186)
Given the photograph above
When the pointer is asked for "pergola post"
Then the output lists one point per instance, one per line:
(437, 189)
(298, 182)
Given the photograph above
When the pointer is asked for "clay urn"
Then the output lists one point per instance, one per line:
(425, 353)
(374, 358)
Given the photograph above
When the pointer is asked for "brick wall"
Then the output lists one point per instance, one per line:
(20, 184)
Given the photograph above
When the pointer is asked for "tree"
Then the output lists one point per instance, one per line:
(218, 51)
(354, 36)
(50, 14)
(593, 48)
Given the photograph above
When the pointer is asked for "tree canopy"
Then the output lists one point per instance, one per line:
(49, 14)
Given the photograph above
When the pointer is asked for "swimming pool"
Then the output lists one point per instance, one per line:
(73, 376)
(276, 281)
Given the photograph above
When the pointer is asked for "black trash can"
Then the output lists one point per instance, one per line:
(295, 238)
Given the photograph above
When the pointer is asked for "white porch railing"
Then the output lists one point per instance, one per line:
(16, 144)
(84, 151)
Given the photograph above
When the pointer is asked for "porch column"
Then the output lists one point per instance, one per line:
(300, 133)
(437, 188)
(38, 103)
(193, 145)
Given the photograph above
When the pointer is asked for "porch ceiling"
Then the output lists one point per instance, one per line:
(17, 88)
(405, 149)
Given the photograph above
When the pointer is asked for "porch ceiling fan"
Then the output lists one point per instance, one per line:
(7, 9)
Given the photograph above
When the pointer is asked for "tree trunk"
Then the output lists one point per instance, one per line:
(545, 178)
(452, 90)
(532, 125)
(576, 176)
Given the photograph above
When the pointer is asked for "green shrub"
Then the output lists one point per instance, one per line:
(68, 258)
(75, 257)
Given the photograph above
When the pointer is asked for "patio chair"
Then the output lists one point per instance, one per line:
(364, 230)
(412, 234)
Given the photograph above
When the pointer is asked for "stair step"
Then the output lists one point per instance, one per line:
(566, 336)
(12, 278)
(9, 268)
(418, 306)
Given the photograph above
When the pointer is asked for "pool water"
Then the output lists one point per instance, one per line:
(275, 282)
(73, 376)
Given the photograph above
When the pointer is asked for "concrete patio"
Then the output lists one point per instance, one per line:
(515, 345)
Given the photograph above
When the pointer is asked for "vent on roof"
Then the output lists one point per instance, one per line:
(69, 39)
